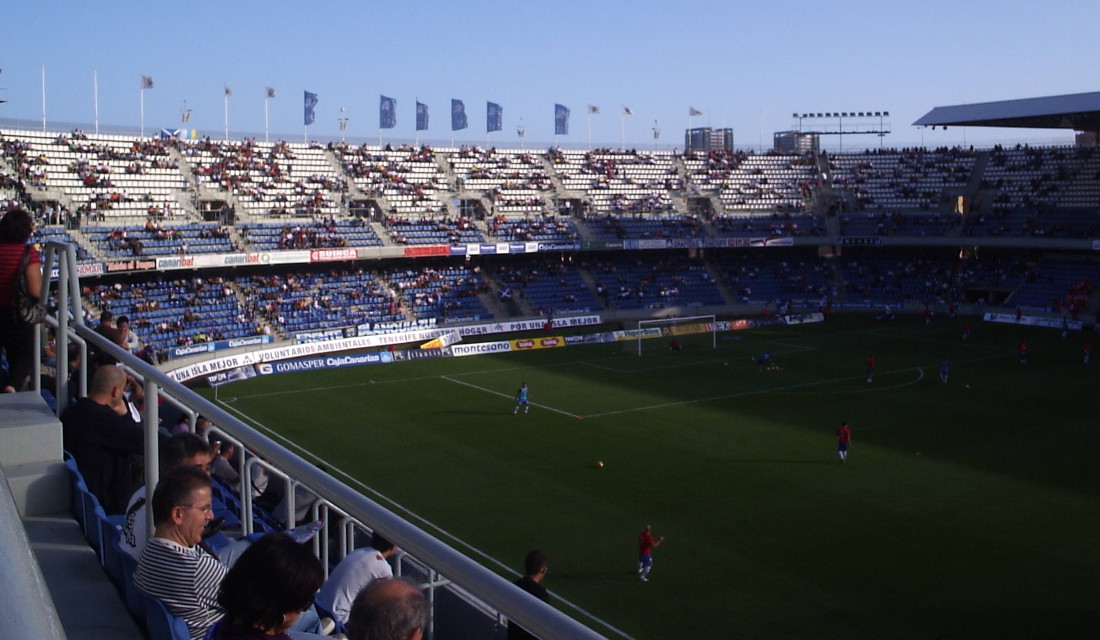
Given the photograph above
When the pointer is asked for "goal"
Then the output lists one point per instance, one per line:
(663, 334)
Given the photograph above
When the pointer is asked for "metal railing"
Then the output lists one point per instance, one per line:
(446, 569)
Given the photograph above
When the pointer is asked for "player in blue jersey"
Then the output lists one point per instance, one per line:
(521, 399)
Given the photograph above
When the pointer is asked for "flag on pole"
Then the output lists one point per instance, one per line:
(561, 120)
(494, 117)
(421, 116)
(387, 113)
(269, 92)
(458, 115)
(310, 103)
(593, 109)
(692, 111)
(627, 111)
(146, 82)
(228, 91)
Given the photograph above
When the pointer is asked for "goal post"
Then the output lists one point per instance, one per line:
(671, 334)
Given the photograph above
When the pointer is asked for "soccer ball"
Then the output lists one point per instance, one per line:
(600, 464)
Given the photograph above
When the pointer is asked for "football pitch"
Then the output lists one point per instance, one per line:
(966, 509)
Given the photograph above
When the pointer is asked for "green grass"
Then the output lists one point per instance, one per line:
(988, 533)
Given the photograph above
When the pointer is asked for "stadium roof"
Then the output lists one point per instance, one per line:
(1078, 111)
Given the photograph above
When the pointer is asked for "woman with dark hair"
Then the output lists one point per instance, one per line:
(16, 339)
(270, 585)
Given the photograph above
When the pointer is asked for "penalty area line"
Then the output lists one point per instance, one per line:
(505, 395)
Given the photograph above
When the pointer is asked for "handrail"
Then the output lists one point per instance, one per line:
(27, 608)
(539, 618)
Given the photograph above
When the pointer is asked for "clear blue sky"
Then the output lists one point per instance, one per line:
(746, 65)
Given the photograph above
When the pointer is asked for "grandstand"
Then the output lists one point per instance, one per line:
(220, 247)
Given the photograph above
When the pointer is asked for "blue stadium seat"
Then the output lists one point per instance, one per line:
(160, 622)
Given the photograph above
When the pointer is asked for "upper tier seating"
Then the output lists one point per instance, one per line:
(279, 178)
(908, 179)
(409, 180)
(103, 176)
(754, 183)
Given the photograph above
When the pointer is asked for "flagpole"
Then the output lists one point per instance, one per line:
(225, 111)
(142, 112)
(95, 98)
(266, 100)
(589, 128)
(622, 130)
(43, 98)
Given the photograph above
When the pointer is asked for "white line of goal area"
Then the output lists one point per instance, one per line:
(919, 371)
(689, 360)
(422, 522)
(505, 395)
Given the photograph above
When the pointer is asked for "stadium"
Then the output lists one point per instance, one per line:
(694, 324)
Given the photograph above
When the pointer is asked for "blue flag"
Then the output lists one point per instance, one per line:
(311, 101)
(561, 120)
(458, 115)
(387, 113)
(421, 116)
(493, 117)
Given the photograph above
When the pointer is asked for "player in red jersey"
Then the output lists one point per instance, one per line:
(843, 441)
(870, 367)
(646, 545)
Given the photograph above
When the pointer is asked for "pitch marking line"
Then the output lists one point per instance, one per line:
(505, 395)
(413, 516)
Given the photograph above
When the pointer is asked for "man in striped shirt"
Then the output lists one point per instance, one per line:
(173, 567)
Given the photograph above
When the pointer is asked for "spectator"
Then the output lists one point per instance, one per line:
(100, 434)
(223, 467)
(390, 609)
(16, 340)
(130, 340)
(172, 567)
(107, 329)
(176, 569)
(357, 570)
(267, 590)
(181, 450)
(534, 570)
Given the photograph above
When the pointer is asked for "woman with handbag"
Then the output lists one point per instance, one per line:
(20, 272)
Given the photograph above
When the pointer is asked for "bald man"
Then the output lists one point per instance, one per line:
(388, 609)
(100, 434)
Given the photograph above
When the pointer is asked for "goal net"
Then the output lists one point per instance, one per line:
(677, 334)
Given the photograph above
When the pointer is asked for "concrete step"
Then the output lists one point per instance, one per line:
(86, 601)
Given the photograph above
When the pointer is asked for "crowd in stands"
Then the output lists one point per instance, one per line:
(153, 239)
(178, 312)
(665, 281)
(427, 230)
(197, 566)
(320, 300)
(449, 293)
(273, 179)
(544, 227)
